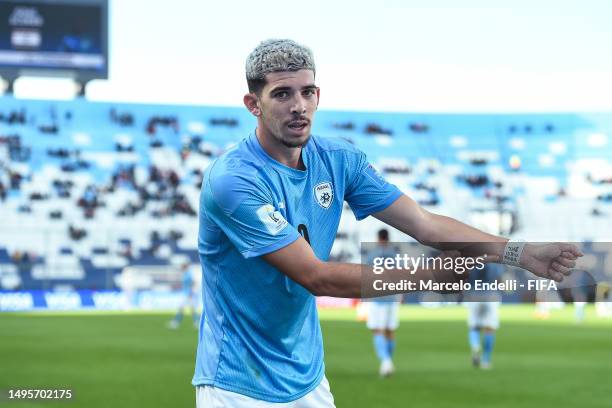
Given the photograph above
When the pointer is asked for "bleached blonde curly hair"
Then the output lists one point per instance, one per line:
(276, 55)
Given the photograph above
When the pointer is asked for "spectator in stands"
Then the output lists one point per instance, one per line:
(89, 201)
(154, 174)
(184, 154)
(130, 209)
(126, 251)
(180, 205)
(156, 242)
(90, 197)
(62, 188)
(175, 235)
(124, 177)
(123, 119)
(76, 234)
(15, 179)
(17, 117)
(376, 129)
(23, 259)
(2, 192)
(199, 177)
(475, 180)
(24, 208)
(173, 179)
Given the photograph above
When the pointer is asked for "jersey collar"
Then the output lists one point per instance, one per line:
(269, 160)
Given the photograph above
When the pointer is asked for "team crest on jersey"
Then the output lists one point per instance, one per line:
(324, 194)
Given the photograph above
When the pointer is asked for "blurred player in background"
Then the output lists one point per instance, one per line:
(483, 316)
(383, 312)
(580, 296)
(189, 301)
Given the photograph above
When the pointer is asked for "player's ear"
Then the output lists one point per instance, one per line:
(251, 101)
(318, 95)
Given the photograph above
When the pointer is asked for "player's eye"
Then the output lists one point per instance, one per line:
(309, 92)
(281, 94)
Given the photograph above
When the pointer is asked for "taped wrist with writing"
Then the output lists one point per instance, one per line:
(513, 251)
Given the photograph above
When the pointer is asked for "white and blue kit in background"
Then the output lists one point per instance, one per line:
(383, 312)
(261, 336)
(483, 307)
(483, 315)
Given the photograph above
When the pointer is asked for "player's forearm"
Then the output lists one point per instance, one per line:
(436, 230)
(353, 280)
(338, 280)
(447, 233)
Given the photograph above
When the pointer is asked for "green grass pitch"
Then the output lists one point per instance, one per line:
(133, 360)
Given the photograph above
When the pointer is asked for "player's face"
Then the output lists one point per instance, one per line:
(287, 105)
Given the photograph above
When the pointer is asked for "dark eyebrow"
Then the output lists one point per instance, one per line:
(288, 88)
(280, 88)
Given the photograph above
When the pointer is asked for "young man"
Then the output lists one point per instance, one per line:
(383, 312)
(269, 211)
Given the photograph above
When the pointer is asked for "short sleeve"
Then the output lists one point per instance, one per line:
(245, 212)
(368, 192)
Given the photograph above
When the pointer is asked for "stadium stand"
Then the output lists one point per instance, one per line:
(88, 189)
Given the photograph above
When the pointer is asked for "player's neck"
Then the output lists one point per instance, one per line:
(288, 156)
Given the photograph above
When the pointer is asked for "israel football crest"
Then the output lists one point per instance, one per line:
(324, 194)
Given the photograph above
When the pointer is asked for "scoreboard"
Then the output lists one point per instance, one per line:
(45, 36)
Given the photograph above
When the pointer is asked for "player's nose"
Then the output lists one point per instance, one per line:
(299, 105)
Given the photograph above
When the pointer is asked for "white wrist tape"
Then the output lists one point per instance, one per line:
(513, 251)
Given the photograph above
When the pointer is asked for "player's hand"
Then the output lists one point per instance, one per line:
(551, 261)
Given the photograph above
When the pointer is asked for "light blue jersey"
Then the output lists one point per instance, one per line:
(261, 335)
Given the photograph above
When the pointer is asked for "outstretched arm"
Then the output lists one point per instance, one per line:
(437, 231)
(551, 261)
(298, 261)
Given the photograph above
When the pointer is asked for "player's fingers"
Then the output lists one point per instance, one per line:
(556, 266)
(555, 275)
(568, 263)
(568, 255)
(571, 248)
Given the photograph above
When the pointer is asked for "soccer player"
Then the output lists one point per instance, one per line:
(383, 312)
(483, 316)
(189, 298)
(269, 210)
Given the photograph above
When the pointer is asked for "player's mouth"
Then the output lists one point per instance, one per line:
(298, 125)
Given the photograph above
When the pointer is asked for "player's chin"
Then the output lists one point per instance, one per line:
(296, 138)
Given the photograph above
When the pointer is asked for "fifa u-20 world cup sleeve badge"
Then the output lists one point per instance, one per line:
(271, 218)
